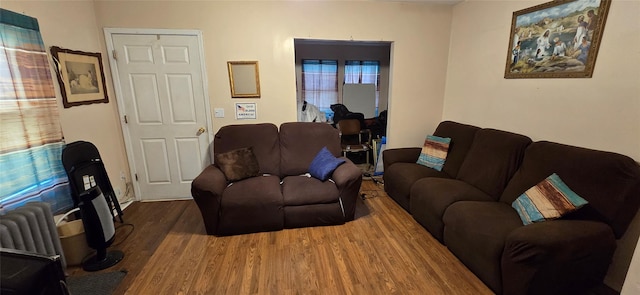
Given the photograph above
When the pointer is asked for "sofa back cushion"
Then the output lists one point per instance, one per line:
(492, 159)
(461, 138)
(262, 138)
(300, 142)
(609, 181)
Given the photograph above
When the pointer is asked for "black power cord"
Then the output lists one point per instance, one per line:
(376, 181)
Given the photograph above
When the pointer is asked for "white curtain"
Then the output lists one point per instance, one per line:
(363, 72)
(320, 83)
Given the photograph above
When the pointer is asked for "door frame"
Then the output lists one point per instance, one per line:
(108, 35)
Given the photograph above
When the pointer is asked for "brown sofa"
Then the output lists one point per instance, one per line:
(469, 209)
(281, 196)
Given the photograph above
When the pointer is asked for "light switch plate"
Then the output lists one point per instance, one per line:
(218, 113)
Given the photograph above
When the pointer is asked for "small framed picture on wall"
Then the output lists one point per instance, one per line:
(81, 77)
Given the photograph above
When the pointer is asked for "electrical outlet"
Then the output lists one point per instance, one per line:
(122, 176)
(118, 193)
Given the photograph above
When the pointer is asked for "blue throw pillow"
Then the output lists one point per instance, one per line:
(324, 164)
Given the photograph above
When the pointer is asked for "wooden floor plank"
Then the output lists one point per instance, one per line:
(383, 251)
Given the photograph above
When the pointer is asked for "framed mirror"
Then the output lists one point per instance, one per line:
(244, 79)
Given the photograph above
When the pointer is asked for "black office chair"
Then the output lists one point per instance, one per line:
(354, 139)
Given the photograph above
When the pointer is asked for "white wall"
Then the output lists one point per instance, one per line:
(264, 31)
(72, 25)
(602, 112)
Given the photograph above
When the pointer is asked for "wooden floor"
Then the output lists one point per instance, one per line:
(383, 251)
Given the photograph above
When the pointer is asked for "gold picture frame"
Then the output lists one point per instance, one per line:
(244, 79)
(543, 39)
(81, 77)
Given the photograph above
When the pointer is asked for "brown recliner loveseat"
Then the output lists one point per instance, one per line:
(282, 194)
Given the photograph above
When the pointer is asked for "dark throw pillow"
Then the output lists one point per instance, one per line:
(324, 164)
(238, 164)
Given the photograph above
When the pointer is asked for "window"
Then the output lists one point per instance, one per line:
(320, 83)
(363, 72)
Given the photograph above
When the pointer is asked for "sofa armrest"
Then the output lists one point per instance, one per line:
(557, 256)
(206, 190)
(400, 155)
(348, 178)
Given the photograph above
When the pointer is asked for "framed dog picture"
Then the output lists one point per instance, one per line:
(81, 77)
(558, 39)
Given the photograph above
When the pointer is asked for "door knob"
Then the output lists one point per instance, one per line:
(200, 131)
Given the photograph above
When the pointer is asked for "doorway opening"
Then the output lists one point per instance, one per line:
(337, 79)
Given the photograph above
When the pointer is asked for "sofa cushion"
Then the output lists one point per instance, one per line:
(547, 200)
(493, 158)
(610, 182)
(251, 205)
(238, 164)
(324, 164)
(475, 232)
(263, 138)
(461, 139)
(303, 190)
(301, 141)
(434, 152)
(431, 196)
(399, 177)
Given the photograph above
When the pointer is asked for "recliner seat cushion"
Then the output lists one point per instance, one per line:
(399, 178)
(311, 202)
(475, 232)
(303, 190)
(430, 198)
(245, 201)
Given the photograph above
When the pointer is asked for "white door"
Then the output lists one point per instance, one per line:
(162, 92)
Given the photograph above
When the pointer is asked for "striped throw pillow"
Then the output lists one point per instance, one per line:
(434, 152)
(547, 200)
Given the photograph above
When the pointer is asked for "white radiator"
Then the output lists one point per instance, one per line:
(31, 228)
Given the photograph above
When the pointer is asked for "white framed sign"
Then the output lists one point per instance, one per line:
(246, 111)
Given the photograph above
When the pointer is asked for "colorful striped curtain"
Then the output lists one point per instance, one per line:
(31, 140)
